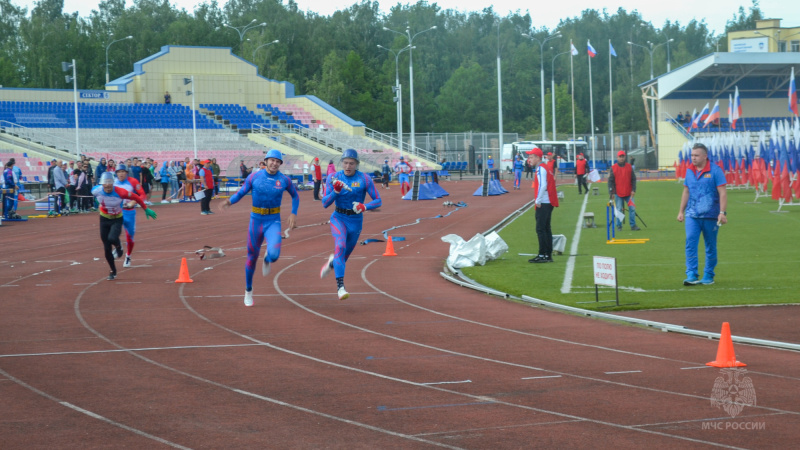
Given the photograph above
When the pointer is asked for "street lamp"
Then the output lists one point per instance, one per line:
(650, 50)
(410, 38)
(553, 90)
(65, 66)
(669, 69)
(397, 89)
(186, 81)
(109, 45)
(261, 46)
(541, 72)
(244, 28)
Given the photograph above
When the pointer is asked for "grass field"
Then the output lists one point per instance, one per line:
(758, 252)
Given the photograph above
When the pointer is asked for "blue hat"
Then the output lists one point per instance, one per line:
(350, 153)
(274, 154)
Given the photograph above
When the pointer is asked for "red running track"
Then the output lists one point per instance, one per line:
(409, 361)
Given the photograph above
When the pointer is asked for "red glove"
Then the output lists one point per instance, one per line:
(359, 207)
(337, 186)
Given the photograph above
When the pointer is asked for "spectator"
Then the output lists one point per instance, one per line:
(165, 180)
(679, 117)
(544, 186)
(146, 181)
(580, 174)
(215, 170)
(50, 181)
(9, 191)
(167, 98)
(60, 186)
(316, 175)
(205, 183)
(71, 189)
(479, 163)
(101, 167)
(528, 169)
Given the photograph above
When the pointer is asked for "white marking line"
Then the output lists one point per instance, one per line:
(89, 352)
(697, 367)
(129, 282)
(44, 285)
(538, 378)
(624, 371)
(446, 382)
(566, 287)
(89, 413)
(9, 285)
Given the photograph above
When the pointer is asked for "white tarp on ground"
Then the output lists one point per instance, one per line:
(477, 250)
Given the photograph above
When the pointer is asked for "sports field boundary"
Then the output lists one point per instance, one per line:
(457, 277)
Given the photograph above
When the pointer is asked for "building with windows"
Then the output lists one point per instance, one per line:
(768, 37)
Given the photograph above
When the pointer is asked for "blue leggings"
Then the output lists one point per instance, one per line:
(345, 230)
(129, 222)
(517, 177)
(263, 227)
(708, 228)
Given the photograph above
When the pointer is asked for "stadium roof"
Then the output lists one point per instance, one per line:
(758, 75)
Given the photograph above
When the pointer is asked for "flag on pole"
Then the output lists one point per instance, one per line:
(695, 119)
(704, 113)
(611, 49)
(792, 94)
(714, 115)
(573, 49)
(737, 108)
(730, 110)
(593, 53)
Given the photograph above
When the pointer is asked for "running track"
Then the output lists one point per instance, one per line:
(409, 361)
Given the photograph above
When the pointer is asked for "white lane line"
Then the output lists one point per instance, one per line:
(696, 367)
(624, 371)
(446, 382)
(90, 352)
(538, 378)
(91, 414)
(566, 287)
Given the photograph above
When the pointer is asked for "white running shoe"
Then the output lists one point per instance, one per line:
(127, 261)
(343, 295)
(117, 253)
(265, 266)
(326, 269)
(248, 298)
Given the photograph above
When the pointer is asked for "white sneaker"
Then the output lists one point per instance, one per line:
(248, 298)
(127, 262)
(343, 295)
(326, 269)
(164, 201)
(265, 266)
(148, 202)
(117, 252)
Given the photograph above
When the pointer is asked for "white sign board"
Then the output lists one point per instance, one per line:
(605, 271)
(750, 45)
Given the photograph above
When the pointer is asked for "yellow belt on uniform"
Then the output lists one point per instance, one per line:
(266, 211)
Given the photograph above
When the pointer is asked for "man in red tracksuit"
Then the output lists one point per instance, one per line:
(622, 188)
(580, 173)
(544, 186)
(206, 180)
(316, 174)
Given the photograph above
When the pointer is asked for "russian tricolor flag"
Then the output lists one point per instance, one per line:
(704, 113)
(593, 53)
(736, 109)
(714, 115)
(792, 94)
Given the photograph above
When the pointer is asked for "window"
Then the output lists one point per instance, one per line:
(796, 46)
(781, 46)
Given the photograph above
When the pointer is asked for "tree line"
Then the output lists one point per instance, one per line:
(338, 58)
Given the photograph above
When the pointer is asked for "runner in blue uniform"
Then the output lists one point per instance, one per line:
(518, 166)
(403, 170)
(133, 186)
(347, 188)
(265, 219)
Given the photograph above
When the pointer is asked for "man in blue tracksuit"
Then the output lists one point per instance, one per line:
(703, 207)
(518, 166)
(268, 186)
(347, 188)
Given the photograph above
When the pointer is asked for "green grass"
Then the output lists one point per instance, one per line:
(758, 253)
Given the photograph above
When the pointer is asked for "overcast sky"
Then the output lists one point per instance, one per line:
(715, 12)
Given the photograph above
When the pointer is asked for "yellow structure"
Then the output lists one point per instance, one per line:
(220, 76)
(767, 37)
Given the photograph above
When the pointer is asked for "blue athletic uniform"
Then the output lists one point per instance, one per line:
(265, 217)
(129, 212)
(518, 166)
(701, 215)
(345, 223)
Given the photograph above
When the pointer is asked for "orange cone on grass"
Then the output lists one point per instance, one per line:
(389, 248)
(725, 355)
(183, 277)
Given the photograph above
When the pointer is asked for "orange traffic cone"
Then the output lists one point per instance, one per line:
(725, 355)
(389, 248)
(184, 274)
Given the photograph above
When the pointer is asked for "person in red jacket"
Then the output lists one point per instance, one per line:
(205, 176)
(316, 174)
(580, 174)
(622, 188)
(544, 185)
